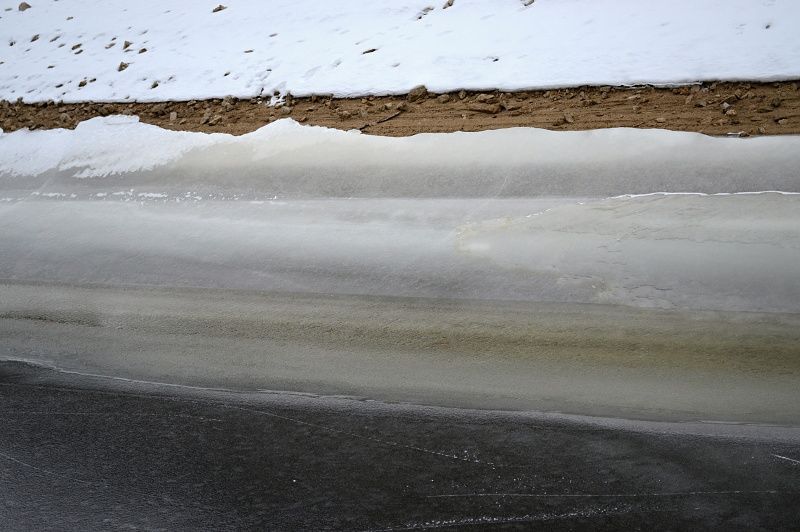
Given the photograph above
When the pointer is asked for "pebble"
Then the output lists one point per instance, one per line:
(485, 98)
(417, 93)
(484, 108)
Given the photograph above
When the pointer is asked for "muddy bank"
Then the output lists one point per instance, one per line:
(711, 108)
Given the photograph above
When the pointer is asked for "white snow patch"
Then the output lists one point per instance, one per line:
(77, 51)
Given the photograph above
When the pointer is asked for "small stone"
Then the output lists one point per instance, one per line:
(762, 130)
(725, 106)
(286, 110)
(447, 4)
(64, 117)
(154, 85)
(700, 103)
(485, 98)
(122, 66)
(462, 95)
(219, 8)
(569, 118)
(82, 83)
(636, 108)
(159, 108)
(23, 6)
(444, 98)
(143, 50)
(782, 121)
(661, 120)
(417, 93)
(776, 102)
(401, 106)
(731, 112)
(363, 113)
(343, 115)
(216, 120)
(206, 117)
(173, 116)
(484, 108)
(35, 38)
(126, 45)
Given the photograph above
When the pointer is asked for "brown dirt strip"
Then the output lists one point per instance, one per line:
(711, 108)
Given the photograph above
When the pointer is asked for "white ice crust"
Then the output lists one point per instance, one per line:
(287, 159)
(73, 51)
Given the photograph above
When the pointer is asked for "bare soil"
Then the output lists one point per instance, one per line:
(711, 108)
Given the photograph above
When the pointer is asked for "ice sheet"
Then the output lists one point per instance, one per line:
(302, 209)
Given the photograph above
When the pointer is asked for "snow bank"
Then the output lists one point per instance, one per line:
(152, 51)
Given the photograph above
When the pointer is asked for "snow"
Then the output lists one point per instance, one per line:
(185, 50)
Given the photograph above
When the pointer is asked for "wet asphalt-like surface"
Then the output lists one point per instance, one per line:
(85, 453)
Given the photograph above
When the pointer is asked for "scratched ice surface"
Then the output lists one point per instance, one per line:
(519, 214)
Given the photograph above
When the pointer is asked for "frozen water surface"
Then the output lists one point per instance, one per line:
(664, 250)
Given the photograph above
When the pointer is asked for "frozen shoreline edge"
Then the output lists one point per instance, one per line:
(752, 431)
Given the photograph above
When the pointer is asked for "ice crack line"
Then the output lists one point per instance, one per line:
(6, 415)
(46, 471)
(614, 495)
(785, 458)
(360, 436)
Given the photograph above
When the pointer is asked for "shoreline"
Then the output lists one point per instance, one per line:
(720, 108)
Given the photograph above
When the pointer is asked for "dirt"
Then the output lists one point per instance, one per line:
(711, 108)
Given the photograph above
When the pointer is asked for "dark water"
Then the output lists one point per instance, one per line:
(82, 453)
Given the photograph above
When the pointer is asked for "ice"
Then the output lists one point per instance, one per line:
(77, 51)
(521, 214)
(289, 160)
(734, 252)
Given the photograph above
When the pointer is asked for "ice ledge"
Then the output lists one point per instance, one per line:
(289, 159)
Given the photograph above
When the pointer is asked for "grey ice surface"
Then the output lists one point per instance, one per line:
(121, 455)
